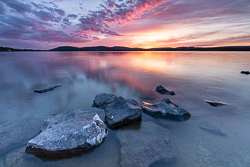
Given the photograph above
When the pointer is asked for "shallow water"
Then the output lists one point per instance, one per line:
(193, 76)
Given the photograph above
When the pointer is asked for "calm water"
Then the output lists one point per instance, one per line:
(193, 76)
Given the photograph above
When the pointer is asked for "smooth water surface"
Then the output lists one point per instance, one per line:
(193, 76)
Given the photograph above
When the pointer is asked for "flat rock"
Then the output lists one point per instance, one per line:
(18, 134)
(160, 89)
(215, 103)
(208, 127)
(103, 99)
(245, 72)
(165, 109)
(47, 89)
(143, 147)
(73, 132)
(122, 112)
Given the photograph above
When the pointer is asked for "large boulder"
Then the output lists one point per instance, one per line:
(18, 134)
(72, 132)
(165, 109)
(144, 146)
(122, 112)
(102, 99)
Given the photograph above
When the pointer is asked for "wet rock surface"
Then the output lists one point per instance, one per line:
(103, 99)
(211, 128)
(73, 132)
(165, 109)
(47, 90)
(122, 112)
(18, 134)
(245, 72)
(143, 147)
(215, 103)
(160, 89)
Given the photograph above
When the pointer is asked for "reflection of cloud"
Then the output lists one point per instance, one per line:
(141, 72)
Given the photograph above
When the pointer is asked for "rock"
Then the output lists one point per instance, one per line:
(206, 126)
(18, 134)
(101, 100)
(132, 101)
(160, 89)
(143, 147)
(245, 72)
(48, 89)
(165, 109)
(73, 132)
(214, 103)
(122, 112)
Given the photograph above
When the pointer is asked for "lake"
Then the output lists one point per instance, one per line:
(193, 76)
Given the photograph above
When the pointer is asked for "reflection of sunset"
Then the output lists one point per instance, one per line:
(148, 62)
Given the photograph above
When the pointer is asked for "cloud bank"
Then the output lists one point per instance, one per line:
(139, 22)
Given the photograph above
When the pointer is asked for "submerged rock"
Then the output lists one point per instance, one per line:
(145, 146)
(103, 99)
(18, 134)
(48, 89)
(19, 158)
(206, 126)
(245, 72)
(215, 103)
(160, 89)
(165, 109)
(72, 132)
(122, 112)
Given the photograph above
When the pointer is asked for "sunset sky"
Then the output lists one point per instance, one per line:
(40, 24)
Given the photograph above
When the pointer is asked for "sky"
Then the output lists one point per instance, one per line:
(40, 24)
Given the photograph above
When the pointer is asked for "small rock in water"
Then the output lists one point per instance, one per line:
(215, 103)
(160, 89)
(48, 89)
(245, 72)
(206, 126)
(165, 109)
(143, 147)
(101, 100)
(122, 112)
(72, 132)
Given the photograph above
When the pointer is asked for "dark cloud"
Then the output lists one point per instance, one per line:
(55, 6)
(60, 12)
(2, 8)
(66, 21)
(18, 6)
(46, 16)
(27, 29)
(39, 6)
(73, 16)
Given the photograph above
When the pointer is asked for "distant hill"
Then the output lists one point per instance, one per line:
(121, 48)
(96, 48)
(3, 49)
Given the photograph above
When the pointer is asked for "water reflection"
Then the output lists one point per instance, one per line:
(193, 76)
